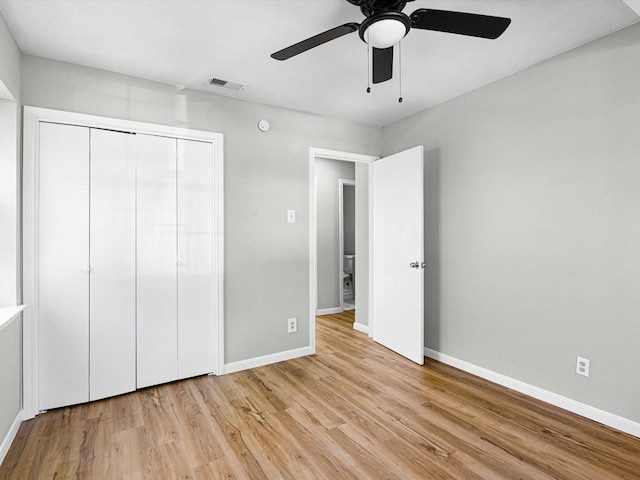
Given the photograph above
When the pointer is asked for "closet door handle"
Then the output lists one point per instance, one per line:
(85, 269)
(179, 263)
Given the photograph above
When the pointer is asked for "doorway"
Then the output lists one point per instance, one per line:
(331, 176)
(362, 178)
(399, 182)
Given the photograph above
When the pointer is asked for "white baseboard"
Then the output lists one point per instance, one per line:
(265, 360)
(361, 328)
(328, 311)
(592, 413)
(8, 438)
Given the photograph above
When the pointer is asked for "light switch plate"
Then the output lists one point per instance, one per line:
(291, 216)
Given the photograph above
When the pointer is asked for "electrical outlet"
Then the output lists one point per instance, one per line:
(582, 366)
(292, 325)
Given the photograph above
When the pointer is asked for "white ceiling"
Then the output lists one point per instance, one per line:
(183, 42)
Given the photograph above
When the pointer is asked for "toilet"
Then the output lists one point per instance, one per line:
(348, 277)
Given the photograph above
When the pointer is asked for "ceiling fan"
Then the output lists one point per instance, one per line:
(385, 25)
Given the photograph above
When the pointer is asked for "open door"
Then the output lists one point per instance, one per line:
(398, 253)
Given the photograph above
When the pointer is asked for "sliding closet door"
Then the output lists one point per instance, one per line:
(157, 252)
(195, 258)
(112, 308)
(63, 255)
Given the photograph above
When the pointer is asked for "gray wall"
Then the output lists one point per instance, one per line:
(10, 375)
(266, 174)
(11, 336)
(328, 174)
(349, 219)
(10, 123)
(9, 222)
(533, 223)
(9, 60)
(362, 243)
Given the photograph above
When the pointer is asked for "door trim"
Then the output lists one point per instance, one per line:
(32, 118)
(315, 153)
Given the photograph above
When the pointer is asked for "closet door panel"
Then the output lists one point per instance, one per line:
(195, 258)
(63, 256)
(156, 260)
(112, 345)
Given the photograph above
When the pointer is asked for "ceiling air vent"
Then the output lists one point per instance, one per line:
(225, 84)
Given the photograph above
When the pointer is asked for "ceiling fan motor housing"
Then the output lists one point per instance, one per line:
(372, 7)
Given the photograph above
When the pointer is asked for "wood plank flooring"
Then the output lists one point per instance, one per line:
(355, 410)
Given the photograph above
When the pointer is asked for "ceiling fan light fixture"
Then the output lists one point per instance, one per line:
(385, 33)
(385, 29)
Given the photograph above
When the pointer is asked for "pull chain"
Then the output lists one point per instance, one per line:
(368, 64)
(400, 70)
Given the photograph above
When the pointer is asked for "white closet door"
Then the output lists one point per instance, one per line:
(112, 310)
(195, 258)
(63, 254)
(156, 259)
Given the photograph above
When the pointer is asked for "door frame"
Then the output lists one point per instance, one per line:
(33, 116)
(341, 184)
(315, 153)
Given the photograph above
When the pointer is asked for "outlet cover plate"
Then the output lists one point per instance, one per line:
(292, 325)
(582, 366)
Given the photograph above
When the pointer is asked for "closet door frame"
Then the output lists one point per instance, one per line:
(33, 116)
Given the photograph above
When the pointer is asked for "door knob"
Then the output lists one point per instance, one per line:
(414, 265)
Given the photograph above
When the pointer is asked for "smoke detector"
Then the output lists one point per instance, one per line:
(225, 84)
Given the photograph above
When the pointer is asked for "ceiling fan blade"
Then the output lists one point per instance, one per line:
(461, 23)
(382, 64)
(315, 41)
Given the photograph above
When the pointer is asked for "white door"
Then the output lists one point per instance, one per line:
(157, 269)
(195, 258)
(112, 310)
(63, 256)
(398, 246)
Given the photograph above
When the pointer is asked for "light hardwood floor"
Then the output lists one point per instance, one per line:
(353, 411)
